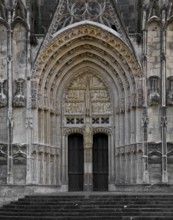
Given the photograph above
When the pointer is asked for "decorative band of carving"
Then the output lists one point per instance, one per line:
(86, 30)
(19, 150)
(73, 131)
(102, 130)
(154, 148)
(133, 148)
(45, 149)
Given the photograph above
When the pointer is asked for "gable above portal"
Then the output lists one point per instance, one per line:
(104, 12)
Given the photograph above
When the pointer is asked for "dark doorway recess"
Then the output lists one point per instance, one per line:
(75, 162)
(100, 162)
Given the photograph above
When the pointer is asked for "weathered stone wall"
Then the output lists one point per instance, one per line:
(19, 170)
(36, 122)
(4, 128)
(131, 9)
(3, 167)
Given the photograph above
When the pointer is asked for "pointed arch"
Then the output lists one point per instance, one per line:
(86, 42)
(87, 49)
(19, 10)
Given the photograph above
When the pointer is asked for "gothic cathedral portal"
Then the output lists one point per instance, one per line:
(85, 77)
(89, 85)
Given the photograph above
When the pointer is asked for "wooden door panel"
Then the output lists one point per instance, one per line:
(100, 162)
(75, 162)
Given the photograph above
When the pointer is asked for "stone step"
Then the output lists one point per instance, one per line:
(87, 218)
(96, 198)
(67, 209)
(95, 201)
(90, 207)
(139, 203)
(94, 211)
(79, 214)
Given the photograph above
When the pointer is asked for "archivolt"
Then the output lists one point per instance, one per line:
(86, 44)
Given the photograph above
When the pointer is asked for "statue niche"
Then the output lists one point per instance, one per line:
(19, 98)
(154, 96)
(3, 97)
(170, 91)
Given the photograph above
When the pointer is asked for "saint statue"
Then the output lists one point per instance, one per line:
(88, 136)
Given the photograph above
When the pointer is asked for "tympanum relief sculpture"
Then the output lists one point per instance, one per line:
(87, 96)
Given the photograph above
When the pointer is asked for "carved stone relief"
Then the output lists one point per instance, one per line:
(33, 94)
(132, 148)
(133, 100)
(154, 147)
(71, 11)
(140, 99)
(19, 98)
(3, 97)
(122, 105)
(86, 32)
(170, 91)
(154, 96)
(87, 95)
(88, 136)
(19, 150)
(154, 153)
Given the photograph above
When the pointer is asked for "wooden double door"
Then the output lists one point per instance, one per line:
(99, 162)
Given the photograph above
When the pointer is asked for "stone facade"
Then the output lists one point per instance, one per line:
(89, 72)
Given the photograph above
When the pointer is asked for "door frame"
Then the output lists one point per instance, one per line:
(111, 156)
